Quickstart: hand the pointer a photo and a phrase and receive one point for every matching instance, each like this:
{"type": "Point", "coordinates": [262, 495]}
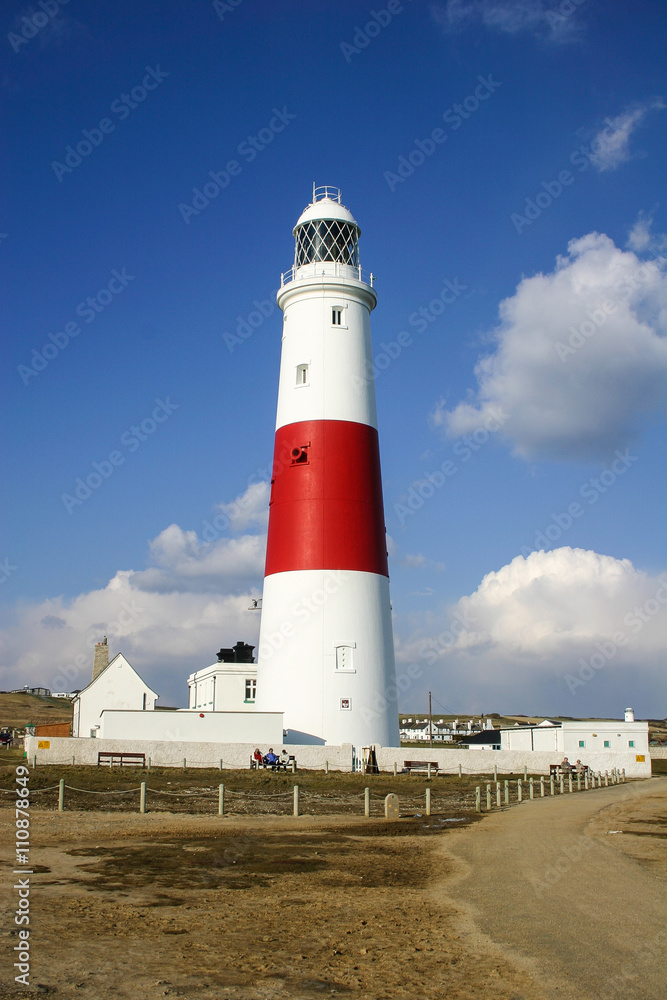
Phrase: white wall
{"type": "Point", "coordinates": [193, 726]}
{"type": "Point", "coordinates": [61, 750]}
{"type": "Point", "coordinates": [221, 687]}
{"type": "Point", "coordinates": [594, 734]}
{"type": "Point", "coordinates": [119, 686]}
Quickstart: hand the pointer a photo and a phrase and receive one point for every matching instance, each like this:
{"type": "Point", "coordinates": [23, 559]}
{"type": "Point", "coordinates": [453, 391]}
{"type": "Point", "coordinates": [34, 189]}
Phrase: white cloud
{"type": "Point", "coordinates": [580, 358]}
{"type": "Point", "coordinates": [509, 17]}
{"type": "Point", "coordinates": [168, 619]}
{"type": "Point", "coordinates": [642, 239]}
{"type": "Point", "coordinates": [250, 509]}
{"type": "Point", "coordinates": [567, 631]}
{"type": "Point", "coordinates": [611, 146]}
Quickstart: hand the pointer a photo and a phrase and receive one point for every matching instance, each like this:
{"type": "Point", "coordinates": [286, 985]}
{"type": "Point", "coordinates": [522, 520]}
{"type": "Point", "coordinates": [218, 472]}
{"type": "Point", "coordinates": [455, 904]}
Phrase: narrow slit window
{"type": "Point", "coordinates": [336, 317]}
{"type": "Point", "coordinates": [302, 374]}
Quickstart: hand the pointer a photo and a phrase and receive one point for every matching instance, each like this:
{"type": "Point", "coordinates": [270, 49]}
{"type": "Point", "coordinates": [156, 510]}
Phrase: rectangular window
{"type": "Point", "coordinates": [607, 744]}
{"type": "Point", "coordinates": [631, 743]}
{"type": "Point", "coordinates": [250, 689]}
{"type": "Point", "coordinates": [344, 659]}
{"type": "Point", "coordinates": [336, 317]}
{"type": "Point", "coordinates": [144, 704]}
{"type": "Point", "coordinates": [582, 743]}
{"type": "Point", "coordinates": [302, 374]}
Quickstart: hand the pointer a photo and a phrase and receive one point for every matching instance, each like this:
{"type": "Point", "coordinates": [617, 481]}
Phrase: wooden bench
{"type": "Point", "coordinates": [120, 757]}
{"type": "Point", "coordinates": [420, 765]}
{"type": "Point", "coordinates": [278, 766]}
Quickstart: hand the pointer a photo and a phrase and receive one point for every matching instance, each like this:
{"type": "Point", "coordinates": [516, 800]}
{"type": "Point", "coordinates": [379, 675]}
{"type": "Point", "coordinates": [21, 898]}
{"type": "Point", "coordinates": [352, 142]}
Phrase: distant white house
{"type": "Point", "coordinates": [116, 686]}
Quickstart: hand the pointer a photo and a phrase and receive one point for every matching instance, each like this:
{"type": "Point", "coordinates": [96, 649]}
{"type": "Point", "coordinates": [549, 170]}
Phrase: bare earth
{"type": "Point", "coordinates": [538, 901]}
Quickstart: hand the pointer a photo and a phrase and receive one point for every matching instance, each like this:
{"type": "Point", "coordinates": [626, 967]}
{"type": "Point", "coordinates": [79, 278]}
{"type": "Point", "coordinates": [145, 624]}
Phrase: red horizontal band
{"type": "Point", "coordinates": [326, 499]}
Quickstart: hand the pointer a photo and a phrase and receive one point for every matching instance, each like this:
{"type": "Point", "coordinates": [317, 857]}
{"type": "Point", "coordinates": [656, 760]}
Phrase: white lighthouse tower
{"type": "Point", "coordinates": [326, 651]}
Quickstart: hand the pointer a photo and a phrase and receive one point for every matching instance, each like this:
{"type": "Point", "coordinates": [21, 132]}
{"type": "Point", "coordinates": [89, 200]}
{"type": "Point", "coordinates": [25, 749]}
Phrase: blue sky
{"type": "Point", "coordinates": [505, 161]}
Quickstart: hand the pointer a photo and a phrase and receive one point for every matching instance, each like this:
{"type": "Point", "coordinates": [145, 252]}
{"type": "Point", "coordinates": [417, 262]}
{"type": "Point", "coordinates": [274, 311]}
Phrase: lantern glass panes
{"type": "Point", "coordinates": [327, 239]}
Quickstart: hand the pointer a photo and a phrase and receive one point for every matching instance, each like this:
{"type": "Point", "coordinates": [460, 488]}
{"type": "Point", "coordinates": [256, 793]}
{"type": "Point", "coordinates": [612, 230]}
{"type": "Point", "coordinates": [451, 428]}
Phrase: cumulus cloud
{"type": "Point", "coordinates": [568, 631]}
{"type": "Point", "coordinates": [611, 146]}
{"type": "Point", "coordinates": [250, 509]}
{"type": "Point", "coordinates": [168, 619]}
{"type": "Point", "coordinates": [580, 357]}
{"type": "Point", "coordinates": [509, 17]}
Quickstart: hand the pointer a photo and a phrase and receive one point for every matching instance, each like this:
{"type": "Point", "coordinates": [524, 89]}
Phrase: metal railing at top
{"type": "Point", "coordinates": [330, 268]}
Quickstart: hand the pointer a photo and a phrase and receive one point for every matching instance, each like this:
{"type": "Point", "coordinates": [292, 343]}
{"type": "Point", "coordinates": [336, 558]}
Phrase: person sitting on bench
{"type": "Point", "coordinates": [257, 758]}
{"type": "Point", "coordinates": [271, 758]}
{"type": "Point", "coordinates": [284, 758]}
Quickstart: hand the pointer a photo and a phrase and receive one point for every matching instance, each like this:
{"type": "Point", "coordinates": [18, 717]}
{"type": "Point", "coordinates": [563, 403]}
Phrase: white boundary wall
{"type": "Point", "coordinates": [237, 755]}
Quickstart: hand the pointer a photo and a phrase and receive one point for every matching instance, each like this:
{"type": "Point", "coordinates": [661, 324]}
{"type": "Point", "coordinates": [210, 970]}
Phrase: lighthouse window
{"type": "Point", "coordinates": [302, 374]}
{"type": "Point", "coordinates": [250, 689]}
{"type": "Point", "coordinates": [344, 659]}
{"type": "Point", "coordinates": [336, 317]}
{"type": "Point", "coordinates": [327, 239]}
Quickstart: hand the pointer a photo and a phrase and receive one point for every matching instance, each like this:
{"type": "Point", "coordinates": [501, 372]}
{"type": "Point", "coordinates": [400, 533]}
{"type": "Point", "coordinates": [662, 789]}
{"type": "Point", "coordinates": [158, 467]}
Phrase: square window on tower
{"type": "Point", "coordinates": [302, 374]}
{"type": "Point", "coordinates": [336, 316]}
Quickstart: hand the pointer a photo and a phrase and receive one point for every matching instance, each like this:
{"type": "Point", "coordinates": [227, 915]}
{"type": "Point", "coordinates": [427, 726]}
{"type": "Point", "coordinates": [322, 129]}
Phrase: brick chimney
{"type": "Point", "coordinates": [101, 657]}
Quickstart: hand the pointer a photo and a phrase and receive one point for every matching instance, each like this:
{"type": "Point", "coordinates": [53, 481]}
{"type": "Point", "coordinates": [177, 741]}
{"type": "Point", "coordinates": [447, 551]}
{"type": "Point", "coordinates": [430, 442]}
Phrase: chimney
{"type": "Point", "coordinates": [101, 657]}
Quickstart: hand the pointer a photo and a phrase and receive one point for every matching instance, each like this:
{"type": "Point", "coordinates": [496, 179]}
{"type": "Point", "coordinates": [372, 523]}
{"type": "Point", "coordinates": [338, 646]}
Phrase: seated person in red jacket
{"type": "Point", "coordinates": [257, 757]}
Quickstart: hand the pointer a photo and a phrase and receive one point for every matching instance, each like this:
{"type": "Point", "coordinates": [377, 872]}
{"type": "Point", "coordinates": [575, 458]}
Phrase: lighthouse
{"type": "Point", "coordinates": [326, 651]}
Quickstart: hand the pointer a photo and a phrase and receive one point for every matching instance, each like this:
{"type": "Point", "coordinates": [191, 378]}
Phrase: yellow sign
{"type": "Point", "coordinates": [43, 744]}
{"type": "Point", "coordinates": [640, 758]}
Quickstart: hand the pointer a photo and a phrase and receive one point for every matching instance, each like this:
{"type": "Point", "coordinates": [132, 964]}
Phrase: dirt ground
{"type": "Point", "coordinates": [144, 906]}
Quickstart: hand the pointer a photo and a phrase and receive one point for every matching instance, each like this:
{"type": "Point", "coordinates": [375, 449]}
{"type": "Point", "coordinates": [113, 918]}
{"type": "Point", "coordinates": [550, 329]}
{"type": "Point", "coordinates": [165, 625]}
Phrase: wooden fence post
{"type": "Point", "coordinates": [552, 789]}
{"type": "Point", "coordinates": [395, 768]}
{"type": "Point", "coordinates": [326, 767]}
{"type": "Point", "coordinates": [367, 802]}
{"type": "Point", "coordinates": [562, 783]}
{"type": "Point", "coordinates": [478, 799]}
{"type": "Point", "coordinates": [542, 787]}
{"type": "Point", "coordinates": [531, 786]}
{"type": "Point", "coordinates": [296, 800]}
{"type": "Point", "coordinates": [61, 795]}
{"type": "Point", "coordinates": [498, 794]}
{"type": "Point", "coordinates": [428, 771]}
{"type": "Point", "coordinates": [488, 798]}
{"type": "Point", "coordinates": [525, 773]}
{"type": "Point", "coordinates": [142, 797]}
{"type": "Point", "coordinates": [221, 800]}
{"type": "Point", "coordinates": [184, 763]}
{"type": "Point", "coordinates": [460, 770]}
{"type": "Point", "coordinates": [519, 791]}
{"type": "Point", "coordinates": [428, 801]}
{"type": "Point", "coordinates": [569, 782]}
{"type": "Point", "coordinates": [507, 792]}
{"type": "Point", "coordinates": [495, 772]}
{"type": "Point", "coordinates": [578, 781]}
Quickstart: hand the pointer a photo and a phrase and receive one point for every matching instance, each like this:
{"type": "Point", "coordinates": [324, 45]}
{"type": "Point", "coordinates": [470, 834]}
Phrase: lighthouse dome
{"type": "Point", "coordinates": [326, 230]}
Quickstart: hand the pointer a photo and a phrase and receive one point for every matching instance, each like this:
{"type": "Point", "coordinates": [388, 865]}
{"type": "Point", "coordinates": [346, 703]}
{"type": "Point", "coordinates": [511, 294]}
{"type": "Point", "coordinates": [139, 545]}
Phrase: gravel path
{"type": "Point", "coordinates": [581, 908]}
